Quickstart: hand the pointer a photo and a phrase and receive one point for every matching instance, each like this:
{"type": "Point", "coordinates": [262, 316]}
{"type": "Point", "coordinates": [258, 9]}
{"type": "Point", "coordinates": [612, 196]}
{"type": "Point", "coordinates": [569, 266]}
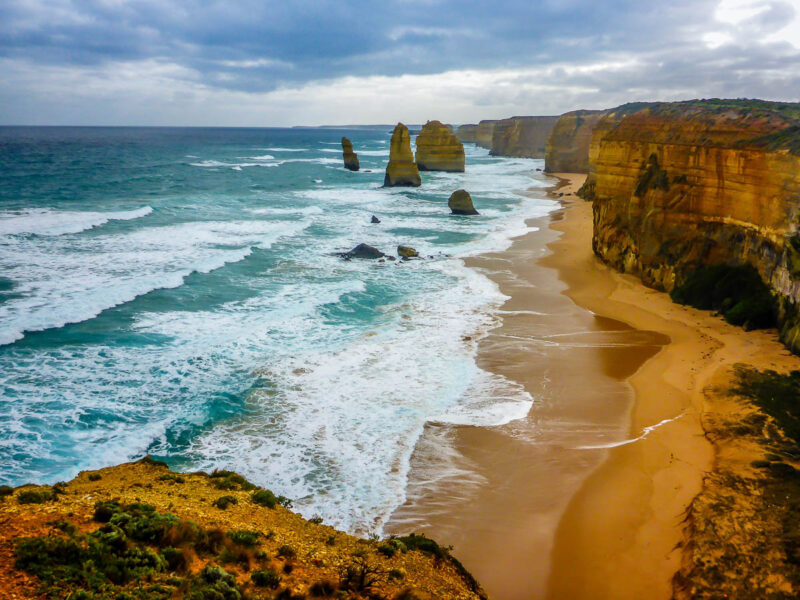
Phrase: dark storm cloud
{"type": "Point", "coordinates": [258, 45]}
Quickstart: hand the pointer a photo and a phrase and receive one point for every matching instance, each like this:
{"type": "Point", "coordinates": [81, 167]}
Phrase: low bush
{"type": "Point", "coordinates": [286, 551]}
{"type": "Point", "coordinates": [270, 500]}
{"type": "Point", "coordinates": [223, 502]}
{"type": "Point", "coordinates": [36, 496]}
{"type": "Point", "coordinates": [265, 578]}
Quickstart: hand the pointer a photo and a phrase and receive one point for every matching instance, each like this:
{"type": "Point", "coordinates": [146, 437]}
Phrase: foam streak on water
{"type": "Point", "coordinates": [169, 299]}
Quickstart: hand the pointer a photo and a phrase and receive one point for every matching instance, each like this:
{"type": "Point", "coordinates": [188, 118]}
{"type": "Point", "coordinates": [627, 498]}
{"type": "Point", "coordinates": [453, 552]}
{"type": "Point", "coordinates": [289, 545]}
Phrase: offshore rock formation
{"type": "Point", "coordinates": [467, 133]}
{"type": "Point", "coordinates": [522, 136]}
{"type": "Point", "coordinates": [364, 251]}
{"type": "Point", "coordinates": [401, 170]}
{"type": "Point", "coordinates": [407, 252]}
{"type": "Point", "coordinates": [460, 203]}
{"type": "Point", "coordinates": [677, 186]}
{"type": "Point", "coordinates": [233, 539]}
{"type": "Point", "coordinates": [438, 149]}
{"type": "Point", "coordinates": [350, 157]}
{"type": "Point", "coordinates": [567, 148]}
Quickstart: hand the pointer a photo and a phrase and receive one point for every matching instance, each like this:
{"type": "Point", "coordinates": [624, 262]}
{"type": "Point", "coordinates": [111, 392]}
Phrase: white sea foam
{"type": "Point", "coordinates": [56, 285]}
{"type": "Point", "coordinates": [46, 221]}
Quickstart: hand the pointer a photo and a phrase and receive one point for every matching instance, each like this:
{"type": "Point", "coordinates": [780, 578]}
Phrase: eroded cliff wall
{"type": "Point", "coordinates": [567, 149]}
{"type": "Point", "coordinates": [467, 133]}
{"type": "Point", "coordinates": [522, 136]}
{"type": "Point", "coordinates": [680, 185]}
{"type": "Point", "coordinates": [484, 133]}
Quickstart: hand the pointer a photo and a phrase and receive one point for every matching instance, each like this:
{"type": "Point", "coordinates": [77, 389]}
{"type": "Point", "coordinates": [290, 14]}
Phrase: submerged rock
{"type": "Point", "coordinates": [374, 219]}
{"type": "Point", "coordinates": [401, 170]}
{"type": "Point", "coordinates": [460, 203]}
{"type": "Point", "coordinates": [363, 251]}
{"type": "Point", "coordinates": [438, 149]}
{"type": "Point", "coordinates": [407, 252]}
{"type": "Point", "coordinates": [350, 157]}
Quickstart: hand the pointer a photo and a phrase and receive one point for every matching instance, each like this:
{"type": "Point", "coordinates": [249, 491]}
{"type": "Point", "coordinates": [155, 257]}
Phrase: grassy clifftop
{"type": "Point", "coordinates": [140, 531]}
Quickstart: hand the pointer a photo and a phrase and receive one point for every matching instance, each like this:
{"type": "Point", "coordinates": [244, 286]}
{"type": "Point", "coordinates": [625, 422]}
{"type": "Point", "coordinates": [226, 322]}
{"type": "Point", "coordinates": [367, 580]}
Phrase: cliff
{"type": "Point", "coordinates": [567, 148]}
{"type": "Point", "coordinates": [484, 133]}
{"type": "Point", "coordinates": [680, 186]}
{"type": "Point", "coordinates": [438, 149]}
{"type": "Point", "coordinates": [467, 133]}
{"type": "Point", "coordinates": [401, 170]}
{"type": "Point", "coordinates": [522, 136]}
{"type": "Point", "coordinates": [350, 157]}
{"type": "Point", "coordinates": [140, 530]}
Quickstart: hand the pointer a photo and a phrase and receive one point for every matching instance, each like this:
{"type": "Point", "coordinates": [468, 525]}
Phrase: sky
{"type": "Point", "coordinates": [313, 62]}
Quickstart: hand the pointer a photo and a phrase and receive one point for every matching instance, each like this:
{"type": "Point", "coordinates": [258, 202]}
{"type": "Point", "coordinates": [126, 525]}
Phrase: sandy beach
{"type": "Point", "coordinates": [585, 497]}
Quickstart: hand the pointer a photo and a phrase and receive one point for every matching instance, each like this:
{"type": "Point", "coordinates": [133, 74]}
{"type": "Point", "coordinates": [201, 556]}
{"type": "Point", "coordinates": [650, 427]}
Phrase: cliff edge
{"type": "Point", "coordinates": [567, 148]}
{"type": "Point", "coordinates": [139, 530]}
{"type": "Point", "coordinates": [681, 186]}
{"type": "Point", "coordinates": [524, 137]}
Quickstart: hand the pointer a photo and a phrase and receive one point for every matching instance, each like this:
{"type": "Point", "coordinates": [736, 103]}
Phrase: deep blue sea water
{"type": "Point", "coordinates": [174, 292]}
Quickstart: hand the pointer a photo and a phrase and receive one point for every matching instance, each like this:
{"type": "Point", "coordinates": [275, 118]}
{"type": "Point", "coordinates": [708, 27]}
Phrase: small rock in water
{"type": "Point", "coordinates": [460, 203]}
{"type": "Point", "coordinates": [363, 251]}
{"type": "Point", "coordinates": [407, 252]}
{"type": "Point", "coordinates": [375, 219]}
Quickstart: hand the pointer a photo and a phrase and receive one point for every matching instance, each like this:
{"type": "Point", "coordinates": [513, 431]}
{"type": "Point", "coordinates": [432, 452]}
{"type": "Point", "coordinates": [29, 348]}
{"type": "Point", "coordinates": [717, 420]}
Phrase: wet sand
{"type": "Point", "coordinates": [498, 494]}
{"type": "Point", "coordinates": [584, 498]}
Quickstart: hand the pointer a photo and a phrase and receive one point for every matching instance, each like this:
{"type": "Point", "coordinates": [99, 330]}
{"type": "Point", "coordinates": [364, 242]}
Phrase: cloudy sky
{"type": "Point", "coordinates": [287, 62]}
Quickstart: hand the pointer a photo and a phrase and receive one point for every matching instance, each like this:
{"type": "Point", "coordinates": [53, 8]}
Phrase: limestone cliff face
{"type": "Point", "coordinates": [680, 185]}
{"type": "Point", "coordinates": [350, 157]}
{"type": "Point", "coordinates": [484, 133]}
{"type": "Point", "coordinates": [401, 170]}
{"type": "Point", "coordinates": [438, 149]}
{"type": "Point", "coordinates": [467, 133]}
{"type": "Point", "coordinates": [567, 149]}
{"type": "Point", "coordinates": [522, 136]}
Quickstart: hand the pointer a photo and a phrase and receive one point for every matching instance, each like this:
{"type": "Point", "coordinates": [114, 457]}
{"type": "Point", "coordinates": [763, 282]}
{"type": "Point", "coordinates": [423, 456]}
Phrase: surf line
{"type": "Point", "coordinates": [645, 432]}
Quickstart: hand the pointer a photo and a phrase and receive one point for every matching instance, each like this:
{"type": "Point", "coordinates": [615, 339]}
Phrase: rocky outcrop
{"type": "Point", "coordinates": [467, 133]}
{"type": "Point", "coordinates": [438, 149]}
{"type": "Point", "coordinates": [677, 186]}
{"type": "Point", "coordinates": [484, 133]}
{"type": "Point", "coordinates": [401, 170]}
{"type": "Point", "coordinates": [363, 251]}
{"type": "Point", "coordinates": [350, 157]}
{"type": "Point", "coordinates": [522, 136]}
{"type": "Point", "coordinates": [374, 220]}
{"type": "Point", "coordinates": [567, 149]}
{"type": "Point", "coordinates": [460, 203]}
{"type": "Point", "coordinates": [407, 252]}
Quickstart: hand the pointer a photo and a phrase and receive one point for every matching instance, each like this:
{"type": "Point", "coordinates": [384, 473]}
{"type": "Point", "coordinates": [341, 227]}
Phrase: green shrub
{"type": "Point", "coordinates": [172, 477]}
{"type": "Point", "coordinates": [244, 537]}
{"type": "Point", "coordinates": [36, 496]}
{"type": "Point", "coordinates": [270, 500]}
{"type": "Point", "coordinates": [228, 480]}
{"type": "Point", "coordinates": [223, 502]}
{"type": "Point", "coordinates": [6, 490]}
{"type": "Point", "coordinates": [95, 477]}
{"type": "Point", "coordinates": [737, 292]}
{"type": "Point", "coordinates": [286, 551]}
{"type": "Point", "coordinates": [265, 578]}
{"type": "Point", "coordinates": [105, 509]}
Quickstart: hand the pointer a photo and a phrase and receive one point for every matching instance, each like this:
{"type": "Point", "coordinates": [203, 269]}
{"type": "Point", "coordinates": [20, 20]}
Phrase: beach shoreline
{"type": "Point", "coordinates": [584, 498]}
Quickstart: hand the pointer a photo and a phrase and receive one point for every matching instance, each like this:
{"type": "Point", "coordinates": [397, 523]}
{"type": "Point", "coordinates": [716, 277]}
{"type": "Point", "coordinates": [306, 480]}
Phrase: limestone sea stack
{"type": "Point", "coordinates": [350, 157]}
{"type": "Point", "coordinates": [401, 170]}
{"type": "Point", "coordinates": [438, 149]}
{"type": "Point", "coordinates": [460, 203]}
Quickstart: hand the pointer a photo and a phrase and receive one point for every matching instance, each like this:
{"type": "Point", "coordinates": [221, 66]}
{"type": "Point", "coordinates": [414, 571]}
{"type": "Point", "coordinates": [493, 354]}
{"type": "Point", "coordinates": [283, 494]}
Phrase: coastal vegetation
{"type": "Point", "coordinates": [135, 533]}
{"type": "Point", "coordinates": [743, 539]}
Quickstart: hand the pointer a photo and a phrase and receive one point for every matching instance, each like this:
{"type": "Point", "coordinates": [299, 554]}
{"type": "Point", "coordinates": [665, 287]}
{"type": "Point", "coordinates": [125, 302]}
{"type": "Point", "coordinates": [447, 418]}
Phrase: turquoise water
{"type": "Point", "coordinates": [174, 292]}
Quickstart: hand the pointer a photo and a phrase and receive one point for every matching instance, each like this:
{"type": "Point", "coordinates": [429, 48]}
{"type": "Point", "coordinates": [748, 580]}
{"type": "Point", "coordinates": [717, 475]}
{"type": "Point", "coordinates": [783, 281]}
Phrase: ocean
{"type": "Point", "coordinates": [176, 292]}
